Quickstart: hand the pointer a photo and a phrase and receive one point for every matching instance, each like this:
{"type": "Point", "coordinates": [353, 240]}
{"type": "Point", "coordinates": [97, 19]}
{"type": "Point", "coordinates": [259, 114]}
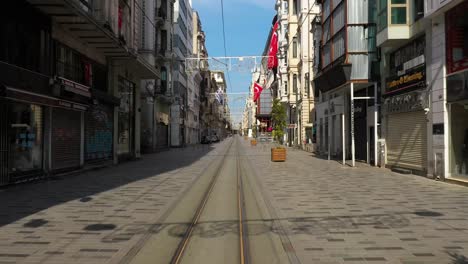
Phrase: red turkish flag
{"type": "Point", "coordinates": [272, 58]}
{"type": "Point", "coordinates": [257, 91]}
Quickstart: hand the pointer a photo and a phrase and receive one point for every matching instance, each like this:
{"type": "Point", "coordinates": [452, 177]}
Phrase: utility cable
{"type": "Point", "coordinates": [224, 42]}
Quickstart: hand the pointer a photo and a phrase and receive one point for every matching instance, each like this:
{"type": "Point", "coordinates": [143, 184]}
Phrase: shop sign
{"type": "Point", "coordinates": [74, 87]}
{"type": "Point", "coordinates": [408, 102]}
{"type": "Point", "coordinates": [71, 105]}
{"type": "Point", "coordinates": [292, 126]}
{"type": "Point", "coordinates": [414, 78]}
{"type": "Point", "coordinates": [407, 67]}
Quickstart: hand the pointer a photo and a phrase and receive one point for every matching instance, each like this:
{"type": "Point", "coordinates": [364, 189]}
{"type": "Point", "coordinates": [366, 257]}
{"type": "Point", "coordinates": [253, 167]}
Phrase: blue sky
{"type": "Point", "coordinates": [247, 24]}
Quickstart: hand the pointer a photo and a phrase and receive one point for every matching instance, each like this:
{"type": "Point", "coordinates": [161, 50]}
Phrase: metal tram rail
{"type": "Point", "coordinates": [242, 225]}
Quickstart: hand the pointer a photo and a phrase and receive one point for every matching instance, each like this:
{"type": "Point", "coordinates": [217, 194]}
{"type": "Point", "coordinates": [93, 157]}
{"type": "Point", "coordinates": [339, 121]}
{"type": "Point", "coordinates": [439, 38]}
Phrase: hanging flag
{"type": "Point", "coordinates": [273, 51]}
{"type": "Point", "coordinates": [257, 91]}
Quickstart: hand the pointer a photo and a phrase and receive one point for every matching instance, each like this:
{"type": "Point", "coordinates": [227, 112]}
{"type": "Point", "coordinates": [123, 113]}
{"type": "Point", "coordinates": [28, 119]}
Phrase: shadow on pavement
{"type": "Point", "coordinates": [19, 201]}
{"type": "Point", "coordinates": [457, 258]}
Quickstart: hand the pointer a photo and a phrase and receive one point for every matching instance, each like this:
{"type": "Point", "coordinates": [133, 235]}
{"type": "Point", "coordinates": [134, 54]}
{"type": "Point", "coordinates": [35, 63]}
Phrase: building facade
{"type": "Point", "coordinates": [446, 71]}
{"type": "Point", "coordinates": [180, 79]}
{"type": "Point", "coordinates": [346, 112]}
{"type": "Point", "coordinates": [156, 94]}
{"type": "Point", "coordinates": [70, 93]}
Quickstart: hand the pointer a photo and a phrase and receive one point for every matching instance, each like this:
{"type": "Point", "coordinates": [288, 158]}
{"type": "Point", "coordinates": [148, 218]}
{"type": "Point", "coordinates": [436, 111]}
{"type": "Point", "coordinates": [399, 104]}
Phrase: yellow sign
{"type": "Point", "coordinates": [417, 76]}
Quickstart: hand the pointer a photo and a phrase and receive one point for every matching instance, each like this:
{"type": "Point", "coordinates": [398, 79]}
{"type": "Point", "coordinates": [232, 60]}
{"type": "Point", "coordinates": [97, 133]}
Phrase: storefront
{"type": "Point", "coordinates": [405, 99]}
{"type": "Point", "coordinates": [162, 126]}
{"type": "Point", "coordinates": [457, 89]}
{"type": "Point", "coordinates": [99, 129]}
{"type": "Point", "coordinates": [65, 139]}
{"type": "Point", "coordinates": [25, 135]}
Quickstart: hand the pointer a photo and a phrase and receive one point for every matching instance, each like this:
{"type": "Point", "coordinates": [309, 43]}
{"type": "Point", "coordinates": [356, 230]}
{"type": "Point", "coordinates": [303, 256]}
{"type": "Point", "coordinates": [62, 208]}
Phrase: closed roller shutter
{"type": "Point", "coordinates": [162, 136]}
{"type": "Point", "coordinates": [99, 133]}
{"type": "Point", "coordinates": [407, 140]}
{"type": "Point", "coordinates": [3, 143]}
{"type": "Point", "coordinates": [66, 139]}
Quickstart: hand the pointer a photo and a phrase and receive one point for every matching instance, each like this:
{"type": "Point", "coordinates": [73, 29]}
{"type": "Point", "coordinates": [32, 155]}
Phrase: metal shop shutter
{"type": "Point", "coordinates": [3, 142]}
{"type": "Point", "coordinates": [66, 139]}
{"type": "Point", "coordinates": [99, 128]}
{"type": "Point", "coordinates": [407, 140]}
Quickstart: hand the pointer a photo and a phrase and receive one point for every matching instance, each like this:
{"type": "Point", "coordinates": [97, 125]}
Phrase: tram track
{"type": "Point", "coordinates": [222, 218]}
{"type": "Point", "coordinates": [244, 255]}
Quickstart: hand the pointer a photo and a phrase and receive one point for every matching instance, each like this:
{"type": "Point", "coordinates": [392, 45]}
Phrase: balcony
{"type": "Point", "coordinates": [89, 22]}
{"type": "Point", "coordinates": [20, 78]}
{"type": "Point", "coordinates": [395, 19]}
{"type": "Point", "coordinates": [161, 15]}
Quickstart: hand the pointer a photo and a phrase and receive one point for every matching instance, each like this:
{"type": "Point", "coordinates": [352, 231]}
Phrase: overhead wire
{"type": "Point", "coordinates": [224, 42]}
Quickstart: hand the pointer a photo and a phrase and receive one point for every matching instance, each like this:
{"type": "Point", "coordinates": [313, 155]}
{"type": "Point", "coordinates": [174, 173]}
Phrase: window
{"type": "Point", "coordinates": [285, 87]}
{"type": "Point", "coordinates": [295, 7]}
{"type": "Point", "coordinates": [418, 9]}
{"type": "Point", "coordinates": [295, 83]}
{"type": "Point", "coordinates": [163, 80]}
{"type": "Point", "coordinates": [398, 12]}
{"type": "Point", "coordinates": [382, 18]}
{"type": "Point", "coordinates": [457, 38]}
{"type": "Point", "coordinates": [295, 47]}
{"type": "Point", "coordinates": [307, 84]}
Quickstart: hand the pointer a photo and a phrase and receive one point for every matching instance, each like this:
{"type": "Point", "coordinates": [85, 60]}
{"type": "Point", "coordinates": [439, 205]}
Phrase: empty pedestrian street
{"type": "Point", "coordinates": [305, 210]}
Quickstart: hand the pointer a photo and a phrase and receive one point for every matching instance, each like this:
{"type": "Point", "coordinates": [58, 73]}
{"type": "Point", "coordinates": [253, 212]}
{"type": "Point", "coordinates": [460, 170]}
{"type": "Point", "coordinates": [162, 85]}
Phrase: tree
{"type": "Point", "coordinates": [278, 117]}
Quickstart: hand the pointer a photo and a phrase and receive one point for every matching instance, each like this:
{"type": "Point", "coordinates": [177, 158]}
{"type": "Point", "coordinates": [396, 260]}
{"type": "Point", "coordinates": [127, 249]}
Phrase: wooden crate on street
{"type": "Point", "coordinates": [278, 154]}
{"type": "Point", "coordinates": [253, 142]}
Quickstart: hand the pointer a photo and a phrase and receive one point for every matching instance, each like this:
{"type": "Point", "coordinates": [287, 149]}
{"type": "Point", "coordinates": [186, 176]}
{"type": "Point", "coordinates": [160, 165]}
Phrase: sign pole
{"type": "Point", "coordinates": [376, 125]}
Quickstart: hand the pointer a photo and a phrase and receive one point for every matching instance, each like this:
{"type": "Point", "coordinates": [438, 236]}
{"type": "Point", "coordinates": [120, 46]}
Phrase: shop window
{"type": "Point", "coordinates": [457, 38]}
{"type": "Point", "coordinates": [458, 140]}
{"type": "Point", "coordinates": [25, 135]}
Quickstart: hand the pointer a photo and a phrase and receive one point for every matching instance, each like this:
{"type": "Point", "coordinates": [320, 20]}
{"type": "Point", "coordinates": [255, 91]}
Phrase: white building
{"type": "Point", "coordinates": [447, 78]}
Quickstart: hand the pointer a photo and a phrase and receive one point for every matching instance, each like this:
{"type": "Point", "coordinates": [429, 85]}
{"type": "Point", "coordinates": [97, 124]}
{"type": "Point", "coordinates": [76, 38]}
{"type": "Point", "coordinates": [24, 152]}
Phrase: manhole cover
{"type": "Point", "coordinates": [428, 213]}
{"type": "Point", "coordinates": [85, 199]}
{"type": "Point", "coordinates": [35, 223]}
{"type": "Point", "coordinates": [100, 227]}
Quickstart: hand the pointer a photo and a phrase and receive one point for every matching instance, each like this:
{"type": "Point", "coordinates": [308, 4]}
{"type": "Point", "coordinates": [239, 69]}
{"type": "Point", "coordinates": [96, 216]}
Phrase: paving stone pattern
{"type": "Point", "coordinates": [336, 214]}
{"type": "Point", "coordinates": [99, 216]}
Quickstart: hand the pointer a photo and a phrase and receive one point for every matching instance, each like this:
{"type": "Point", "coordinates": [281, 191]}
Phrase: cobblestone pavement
{"type": "Point", "coordinates": [96, 217]}
{"type": "Point", "coordinates": [324, 212]}
{"type": "Point", "coordinates": [336, 214]}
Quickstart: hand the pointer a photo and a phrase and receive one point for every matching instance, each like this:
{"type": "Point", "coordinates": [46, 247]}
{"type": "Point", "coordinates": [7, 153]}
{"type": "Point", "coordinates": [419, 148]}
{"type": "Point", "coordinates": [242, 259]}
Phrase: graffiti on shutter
{"type": "Point", "coordinates": [98, 133]}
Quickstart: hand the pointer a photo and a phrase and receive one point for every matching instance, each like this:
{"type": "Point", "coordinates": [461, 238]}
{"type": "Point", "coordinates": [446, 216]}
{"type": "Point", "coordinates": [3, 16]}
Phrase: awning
{"type": "Point", "coordinates": [39, 99]}
{"type": "Point", "coordinates": [334, 77]}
